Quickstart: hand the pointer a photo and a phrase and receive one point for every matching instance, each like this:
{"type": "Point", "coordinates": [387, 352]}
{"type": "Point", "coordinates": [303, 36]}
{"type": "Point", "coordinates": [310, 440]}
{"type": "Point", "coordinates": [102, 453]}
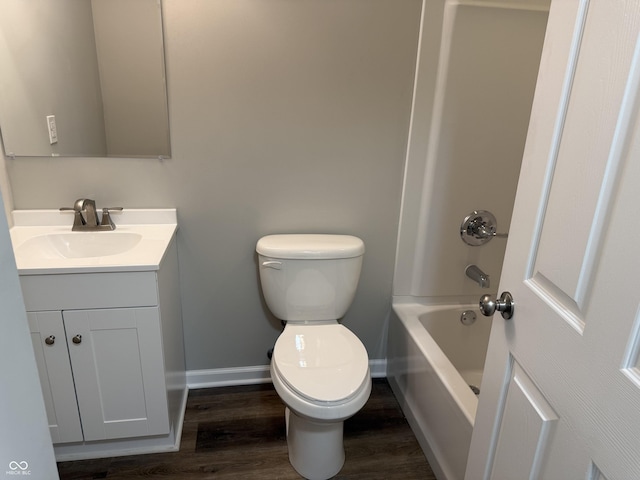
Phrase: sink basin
{"type": "Point", "coordinates": [44, 244]}
{"type": "Point", "coordinates": [79, 244]}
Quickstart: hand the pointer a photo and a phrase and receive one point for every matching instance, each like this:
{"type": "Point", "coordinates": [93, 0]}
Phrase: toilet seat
{"type": "Point", "coordinates": [323, 364]}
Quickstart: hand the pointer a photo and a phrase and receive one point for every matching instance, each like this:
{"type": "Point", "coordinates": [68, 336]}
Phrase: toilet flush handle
{"type": "Point", "coordinates": [272, 264]}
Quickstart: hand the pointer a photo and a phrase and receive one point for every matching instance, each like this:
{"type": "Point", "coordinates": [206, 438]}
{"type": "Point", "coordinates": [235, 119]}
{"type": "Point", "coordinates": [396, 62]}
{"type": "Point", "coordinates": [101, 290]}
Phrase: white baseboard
{"type": "Point", "coordinates": [378, 368]}
{"type": "Point", "coordinates": [224, 377]}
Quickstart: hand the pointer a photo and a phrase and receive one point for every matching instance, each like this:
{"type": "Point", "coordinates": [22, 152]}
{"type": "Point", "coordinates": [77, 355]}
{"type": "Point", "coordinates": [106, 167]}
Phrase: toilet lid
{"type": "Point", "coordinates": [326, 363]}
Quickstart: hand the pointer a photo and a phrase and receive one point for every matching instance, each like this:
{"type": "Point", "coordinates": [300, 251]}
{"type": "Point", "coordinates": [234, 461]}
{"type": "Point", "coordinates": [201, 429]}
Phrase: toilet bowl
{"type": "Point", "coordinates": [319, 368]}
{"type": "Point", "coordinates": [322, 385]}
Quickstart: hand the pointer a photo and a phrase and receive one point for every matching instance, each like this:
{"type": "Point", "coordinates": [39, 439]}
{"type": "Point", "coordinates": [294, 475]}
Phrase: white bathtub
{"type": "Point", "coordinates": [432, 360]}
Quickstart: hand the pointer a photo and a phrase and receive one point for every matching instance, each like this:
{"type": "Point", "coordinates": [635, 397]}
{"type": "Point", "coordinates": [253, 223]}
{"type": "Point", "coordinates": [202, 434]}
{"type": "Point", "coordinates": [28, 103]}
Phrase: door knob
{"type": "Point", "coordinates": [504, 304]}
{"type": "Point", "coordinates": [50, 340]}
{"type": "Point", "coordinates": [77, 339]}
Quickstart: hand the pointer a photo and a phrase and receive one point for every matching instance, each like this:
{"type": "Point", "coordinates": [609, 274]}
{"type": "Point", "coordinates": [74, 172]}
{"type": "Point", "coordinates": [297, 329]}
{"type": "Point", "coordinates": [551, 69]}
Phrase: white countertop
{"type": "Point", "coordinates": [156, 227]}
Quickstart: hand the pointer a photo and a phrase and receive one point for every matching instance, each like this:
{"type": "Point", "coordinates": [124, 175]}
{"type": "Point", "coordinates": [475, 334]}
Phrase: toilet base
{"type": "Point", "coordinates": [316, 450]}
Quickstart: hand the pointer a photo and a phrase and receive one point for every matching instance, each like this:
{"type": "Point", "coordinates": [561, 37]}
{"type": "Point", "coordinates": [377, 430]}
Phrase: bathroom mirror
{"type": "Point", "coordinates": [83, 78]}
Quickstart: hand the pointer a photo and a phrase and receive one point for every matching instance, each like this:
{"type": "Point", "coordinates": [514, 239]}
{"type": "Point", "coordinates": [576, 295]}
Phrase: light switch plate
{"type": "Point", "coordinates": [53, 131]}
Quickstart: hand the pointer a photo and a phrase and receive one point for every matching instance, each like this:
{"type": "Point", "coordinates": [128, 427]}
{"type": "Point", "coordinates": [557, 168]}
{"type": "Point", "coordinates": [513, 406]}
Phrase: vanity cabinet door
{"type": "Point", "coordinates": [54, 369]}
{"type": "Point", "coordinates": [118, 367]}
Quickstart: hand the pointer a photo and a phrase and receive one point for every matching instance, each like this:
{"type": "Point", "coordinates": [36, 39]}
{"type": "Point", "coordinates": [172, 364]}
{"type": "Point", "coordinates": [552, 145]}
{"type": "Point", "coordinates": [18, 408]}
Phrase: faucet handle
{"type": "Point", "coordinates": [106, 216]}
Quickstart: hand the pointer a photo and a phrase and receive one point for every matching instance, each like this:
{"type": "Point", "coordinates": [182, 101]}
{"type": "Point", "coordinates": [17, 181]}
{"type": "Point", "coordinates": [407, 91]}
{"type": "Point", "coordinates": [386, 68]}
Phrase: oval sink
{"type": "Point", "coordinates": [79, 244]}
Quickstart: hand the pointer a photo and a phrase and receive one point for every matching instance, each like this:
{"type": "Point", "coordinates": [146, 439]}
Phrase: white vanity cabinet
{"type": "Point", "coordinates": [110, 355]}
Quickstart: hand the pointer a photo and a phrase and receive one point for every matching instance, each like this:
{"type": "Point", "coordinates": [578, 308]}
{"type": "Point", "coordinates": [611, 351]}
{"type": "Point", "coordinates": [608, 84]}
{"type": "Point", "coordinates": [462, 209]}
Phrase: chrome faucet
{"type": "Point", "coordinates": [477, 275]}
{"type": "Point", "coordinates": [87, 209]}
{"type": "Point", "coordinates": [86, 217]}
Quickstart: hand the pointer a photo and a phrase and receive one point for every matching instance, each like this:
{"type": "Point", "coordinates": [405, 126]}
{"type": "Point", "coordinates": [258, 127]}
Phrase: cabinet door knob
{"type": "Point", "coordinates": [50, 340]}
{"type": "Point", "coordinates": [77, 339]}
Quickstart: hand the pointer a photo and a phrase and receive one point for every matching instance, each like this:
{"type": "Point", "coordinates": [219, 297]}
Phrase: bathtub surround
{"type": "Point", "coordinates": [285, 117]}
{"type": "Point", "coordinates": [476, 73]}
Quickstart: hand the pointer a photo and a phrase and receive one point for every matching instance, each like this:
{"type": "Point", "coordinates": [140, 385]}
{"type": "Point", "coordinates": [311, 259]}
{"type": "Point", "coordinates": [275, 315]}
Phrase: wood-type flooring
{"type": "Point", "coordinates": [239, 433]}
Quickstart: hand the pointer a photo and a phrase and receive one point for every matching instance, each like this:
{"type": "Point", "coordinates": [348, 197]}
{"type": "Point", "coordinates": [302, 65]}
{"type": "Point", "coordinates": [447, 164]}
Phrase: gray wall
{"type": "Point", "coordinates": [286, 116]}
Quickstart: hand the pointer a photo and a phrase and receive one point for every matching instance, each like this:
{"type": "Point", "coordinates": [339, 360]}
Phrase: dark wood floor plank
{"type": "Point", "coordinates": [238, 432]}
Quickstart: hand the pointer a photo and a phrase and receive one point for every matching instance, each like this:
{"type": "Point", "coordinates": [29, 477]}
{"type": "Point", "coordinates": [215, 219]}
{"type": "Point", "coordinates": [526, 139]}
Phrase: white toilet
{"type": "Point", "coordinates": [319, 368]}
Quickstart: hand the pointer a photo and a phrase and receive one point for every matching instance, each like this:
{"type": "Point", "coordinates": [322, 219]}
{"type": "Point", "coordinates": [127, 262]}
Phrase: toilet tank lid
{"type": "Point", "coordinates": [310, 246]}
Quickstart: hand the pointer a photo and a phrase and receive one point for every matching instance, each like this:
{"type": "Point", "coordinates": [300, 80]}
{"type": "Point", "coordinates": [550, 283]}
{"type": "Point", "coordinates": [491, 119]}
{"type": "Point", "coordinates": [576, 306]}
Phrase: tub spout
{"type": "Point", "coordinates": [478, 276]}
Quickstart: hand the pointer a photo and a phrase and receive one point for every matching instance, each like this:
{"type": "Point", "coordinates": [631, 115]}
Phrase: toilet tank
{"type": "Point", "coordinates": [309, 277]}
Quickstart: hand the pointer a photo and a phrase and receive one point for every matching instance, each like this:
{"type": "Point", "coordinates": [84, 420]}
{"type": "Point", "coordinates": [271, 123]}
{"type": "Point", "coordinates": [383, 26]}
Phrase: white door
{"type": "Point", "coordinates": [25, 443]}
{"type": "Point", "coordinates": [561, 394]}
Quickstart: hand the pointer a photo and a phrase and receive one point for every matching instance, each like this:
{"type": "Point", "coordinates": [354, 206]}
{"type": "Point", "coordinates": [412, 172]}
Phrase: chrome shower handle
{"type": "Point", "coordinates": [479, 227]}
